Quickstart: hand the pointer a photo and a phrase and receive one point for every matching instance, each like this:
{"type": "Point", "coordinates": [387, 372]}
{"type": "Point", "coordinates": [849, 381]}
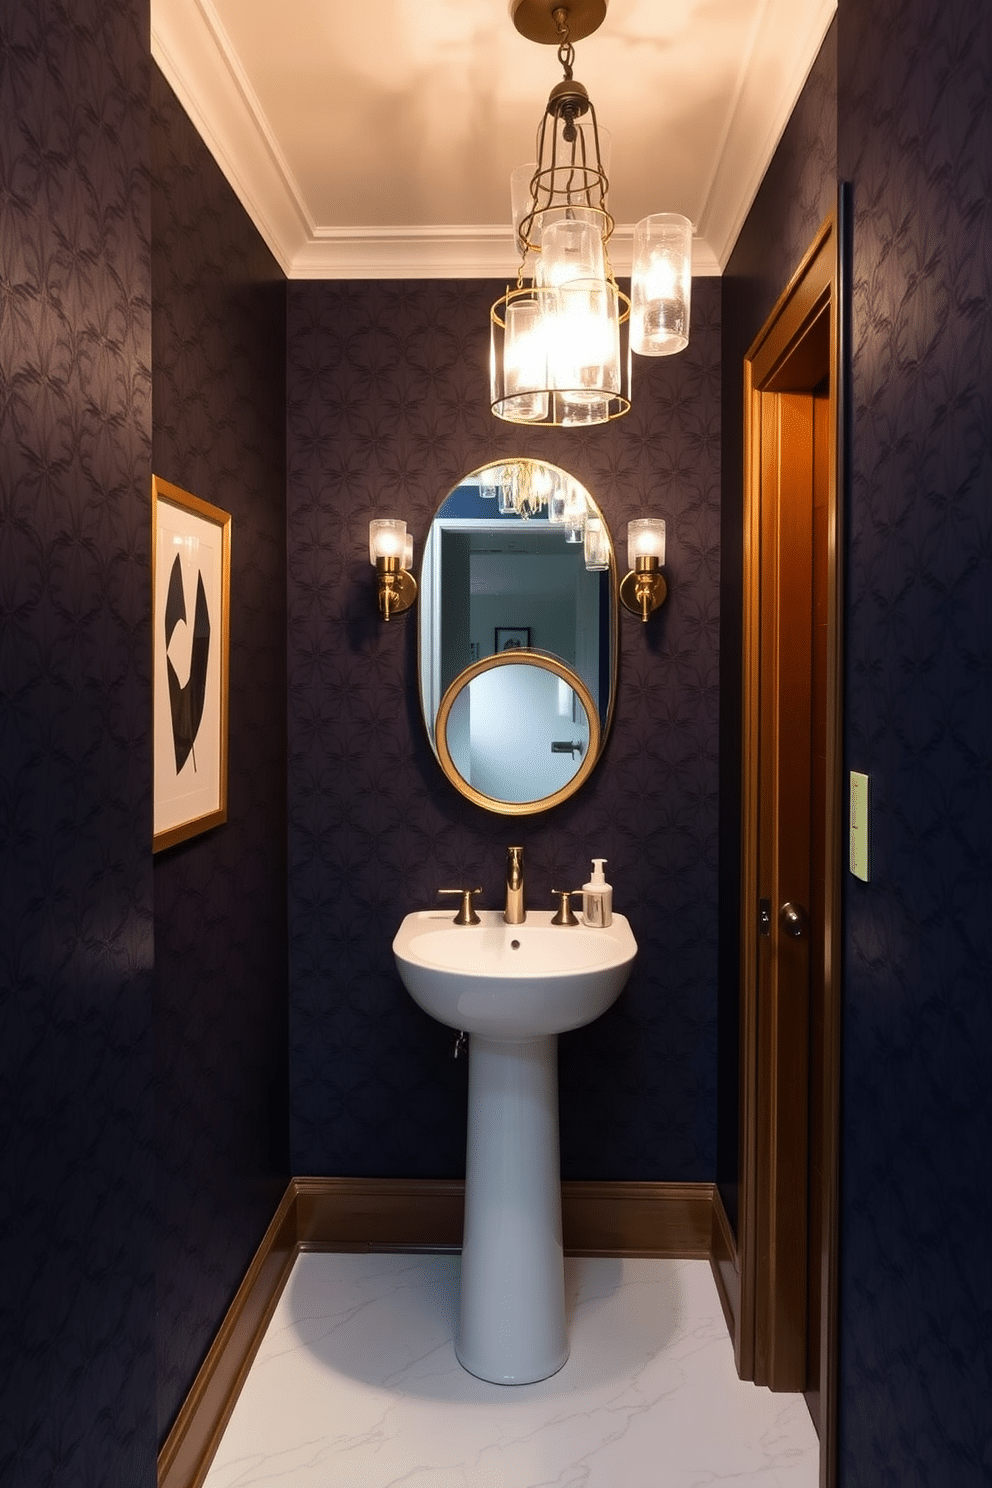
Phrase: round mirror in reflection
{"type": "Point", "coordinates": [517, 732]}
{"type": "Point", "coordinates": [519, 560]}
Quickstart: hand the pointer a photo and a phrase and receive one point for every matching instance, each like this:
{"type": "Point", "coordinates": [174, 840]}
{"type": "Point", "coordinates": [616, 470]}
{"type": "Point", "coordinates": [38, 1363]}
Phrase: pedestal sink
{"type": "Point", "coordinates": [513, 988]}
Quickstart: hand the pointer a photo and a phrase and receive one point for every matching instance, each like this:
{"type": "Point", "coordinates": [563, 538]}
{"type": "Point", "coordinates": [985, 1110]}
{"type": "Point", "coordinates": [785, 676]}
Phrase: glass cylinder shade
{"type": "Point", "coordinates": [507, 493]}
{"type": "Point", "coordinates": [572, 250]}
{"type": "Point", "coordinates": [661, 283]}
{"type": "Point", "coordinates": [579, 335]}
{"type": "Point", "coordinates": [387, 538]}
{"type": "Point", "coordinates": [645, 539]}
{"type": "Point", "coordinates": [597, 544]}
{"type": "Point", "coordinates": [584, 338]}
{"type": "Point", "coordinates": [574, 510]}
{"type": "Point", "coordinates": [520, 367]}
{"type": "Point", "coordinates": [489, 484]}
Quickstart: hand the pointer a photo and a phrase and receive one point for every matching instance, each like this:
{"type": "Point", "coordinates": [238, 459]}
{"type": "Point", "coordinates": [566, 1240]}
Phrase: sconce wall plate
{"type": "Point", "coordinates": [644, 590]}
{"type": "Point", "coordinates": [397, 587]}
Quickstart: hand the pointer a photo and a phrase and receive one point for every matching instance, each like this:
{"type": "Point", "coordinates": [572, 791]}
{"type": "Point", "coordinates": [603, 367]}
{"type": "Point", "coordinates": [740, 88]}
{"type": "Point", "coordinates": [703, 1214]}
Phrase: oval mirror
{"type": "Point", "coordinates": [518, 564]}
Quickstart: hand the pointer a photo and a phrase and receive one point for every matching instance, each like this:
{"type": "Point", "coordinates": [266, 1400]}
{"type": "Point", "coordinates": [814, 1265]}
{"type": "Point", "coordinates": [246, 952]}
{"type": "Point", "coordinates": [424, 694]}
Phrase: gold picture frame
{"type": "Point", "coordinates": [191, 584]}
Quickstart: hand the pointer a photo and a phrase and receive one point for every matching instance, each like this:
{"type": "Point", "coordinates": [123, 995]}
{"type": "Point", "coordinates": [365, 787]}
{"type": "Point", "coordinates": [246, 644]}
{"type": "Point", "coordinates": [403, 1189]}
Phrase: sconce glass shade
{"type": "Point", "coordinates": [645, 539]}
{"type": "Point", "coordinates": [387, 538]}
{"type": "Point", "coordinates": [597, 544]}
{"type": "Point", "coordinates": [408, 552]}
{"type": "Point", "coordinates": [661, 282]}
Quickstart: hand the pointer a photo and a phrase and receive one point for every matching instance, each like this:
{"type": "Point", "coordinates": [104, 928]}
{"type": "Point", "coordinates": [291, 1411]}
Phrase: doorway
{"type": "Point", "coordinates": [785, 1334]}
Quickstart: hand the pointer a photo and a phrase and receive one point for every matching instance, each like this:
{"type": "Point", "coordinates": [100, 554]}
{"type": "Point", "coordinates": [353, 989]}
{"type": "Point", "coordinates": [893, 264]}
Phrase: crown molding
{"type": "Point", "coordinates": [195, 55]}
{"type": "Point", "coordinates": [783, 48]}
{"type": "Point", "coordinates": [443, 253]}
{"type": "Point", "coordinates": [190, 45]}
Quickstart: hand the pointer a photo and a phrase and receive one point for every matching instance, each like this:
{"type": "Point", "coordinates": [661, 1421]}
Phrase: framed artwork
{"type": "Point", "coordinates": [191, 581]}
{"type": "Point", "coordinates": [512, 637]}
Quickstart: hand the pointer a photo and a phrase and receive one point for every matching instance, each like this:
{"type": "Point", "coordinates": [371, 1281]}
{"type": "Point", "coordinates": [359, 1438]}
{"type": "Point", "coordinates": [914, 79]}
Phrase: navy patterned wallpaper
{"type": "Point", "coordinates": [915, 138]}
{"type": "Point", "coordinates": [798, 191]}
{"type": "Point", "coordinates": [388, 408]}
{"type": "Point", "coordinates": [219, 411]}
{"type": "Point", "coordinates": [76, 1169]}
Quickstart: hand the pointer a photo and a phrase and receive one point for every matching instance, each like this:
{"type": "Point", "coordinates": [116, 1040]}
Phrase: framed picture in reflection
{"type": "Point", "coordinates": [512, 637]}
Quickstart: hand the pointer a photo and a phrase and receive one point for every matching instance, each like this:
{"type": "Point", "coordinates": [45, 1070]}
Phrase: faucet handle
{"type": "Point", "coordinates": [564, 915]}
{"type": "Point", "coordinates": [466, 914]}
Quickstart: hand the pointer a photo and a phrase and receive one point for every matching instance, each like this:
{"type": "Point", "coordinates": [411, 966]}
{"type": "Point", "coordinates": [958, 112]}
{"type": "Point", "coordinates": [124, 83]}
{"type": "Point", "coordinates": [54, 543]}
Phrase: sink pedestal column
{"type": "Point", "coordinates": [512, 1322]}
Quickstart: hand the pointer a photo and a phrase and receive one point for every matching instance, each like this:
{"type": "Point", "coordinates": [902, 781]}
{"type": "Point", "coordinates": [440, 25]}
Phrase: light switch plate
{"type": "Point", "coordinates": [859, 825]}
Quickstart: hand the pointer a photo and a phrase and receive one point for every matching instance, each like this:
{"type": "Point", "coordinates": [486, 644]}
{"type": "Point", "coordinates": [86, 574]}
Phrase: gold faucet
{"type": "Point", "coordinates": [514, 913]}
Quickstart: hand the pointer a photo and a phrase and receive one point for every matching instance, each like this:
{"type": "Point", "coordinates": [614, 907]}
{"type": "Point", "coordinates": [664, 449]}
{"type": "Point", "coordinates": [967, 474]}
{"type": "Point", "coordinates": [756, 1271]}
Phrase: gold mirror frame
{"type": "Point", "coordinates": [545, 663]}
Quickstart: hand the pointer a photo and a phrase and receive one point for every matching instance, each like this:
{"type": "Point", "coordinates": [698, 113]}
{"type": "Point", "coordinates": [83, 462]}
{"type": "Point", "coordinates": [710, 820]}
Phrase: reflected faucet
{"type": "Point", "coordinates": [514, 913]}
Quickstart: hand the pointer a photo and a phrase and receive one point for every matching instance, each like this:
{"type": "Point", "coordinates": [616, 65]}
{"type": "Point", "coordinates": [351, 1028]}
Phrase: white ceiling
{"type": "Point", "coordinates": [375, 139]}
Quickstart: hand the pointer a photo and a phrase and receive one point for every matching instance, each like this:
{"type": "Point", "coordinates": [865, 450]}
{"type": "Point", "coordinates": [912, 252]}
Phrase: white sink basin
{"type": "Point", "coordinates": [512, 981]}
{"type": "Point", "coordinates": [514, 988]}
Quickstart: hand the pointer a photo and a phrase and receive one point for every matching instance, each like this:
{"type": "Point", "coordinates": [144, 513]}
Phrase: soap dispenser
{"type": "Point", "coordinates": [597, 897]}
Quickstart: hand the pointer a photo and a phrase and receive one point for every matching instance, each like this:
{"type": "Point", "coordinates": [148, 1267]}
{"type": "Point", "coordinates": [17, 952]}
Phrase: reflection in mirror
{"type": "Point", "coordinates": [506, 565]}
{"type": "Point", "coordinates": [517, 732]}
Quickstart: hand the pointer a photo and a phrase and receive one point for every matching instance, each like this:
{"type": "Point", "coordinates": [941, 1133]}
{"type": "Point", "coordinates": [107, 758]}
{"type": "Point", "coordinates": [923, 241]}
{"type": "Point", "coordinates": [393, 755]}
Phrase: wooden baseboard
{"type": "Point", "coordinates": [190, 1445]}
{"type": "Point", "coordinates": [637, 1219]}
{"type": "Point", "coordinates": [725, 1265]}
{"type": "Point", "coordinates": [417, 1213]}
{"type": "Point", "coordinates": [618, 1219]}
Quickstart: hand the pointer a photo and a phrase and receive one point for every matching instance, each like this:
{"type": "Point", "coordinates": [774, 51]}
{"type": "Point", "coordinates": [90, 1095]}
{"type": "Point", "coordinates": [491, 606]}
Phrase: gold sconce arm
{"type": "Point", "coordinates": [644, 589]}
{"type": "Point", "coordinates": [397, 587]}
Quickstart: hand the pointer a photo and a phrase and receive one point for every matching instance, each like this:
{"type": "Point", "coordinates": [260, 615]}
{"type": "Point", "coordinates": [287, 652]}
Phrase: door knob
{"type": "Point", "coordinates": [794, 920]}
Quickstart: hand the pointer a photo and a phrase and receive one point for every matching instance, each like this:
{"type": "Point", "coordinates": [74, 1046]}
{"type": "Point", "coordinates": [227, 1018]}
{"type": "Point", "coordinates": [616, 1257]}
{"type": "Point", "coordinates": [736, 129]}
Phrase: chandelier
{"type": "Point", "coordinates": [561, 339]}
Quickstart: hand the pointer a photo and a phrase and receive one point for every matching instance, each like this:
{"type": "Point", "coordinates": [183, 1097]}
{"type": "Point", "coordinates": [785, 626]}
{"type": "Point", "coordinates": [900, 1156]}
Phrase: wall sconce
{"type": "Point", "coordinates": [644, 589]}
{"type": "Point", "coordinates": [391, 555]}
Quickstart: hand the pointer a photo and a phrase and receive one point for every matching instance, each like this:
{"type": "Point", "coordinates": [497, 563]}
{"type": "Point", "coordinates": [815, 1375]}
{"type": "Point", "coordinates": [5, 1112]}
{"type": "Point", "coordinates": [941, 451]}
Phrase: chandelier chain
{"type": "Point", "coordinates": [566, 51]}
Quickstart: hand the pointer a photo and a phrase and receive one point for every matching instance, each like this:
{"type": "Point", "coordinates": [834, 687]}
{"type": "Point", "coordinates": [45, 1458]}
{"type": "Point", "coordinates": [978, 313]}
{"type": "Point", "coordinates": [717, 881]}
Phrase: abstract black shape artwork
{"type": "Point", "coordinates": [186, 699]}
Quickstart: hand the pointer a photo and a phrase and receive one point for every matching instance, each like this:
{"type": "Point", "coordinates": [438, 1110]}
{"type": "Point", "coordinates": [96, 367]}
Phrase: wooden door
{"type": "Point", "coordinates": [786, 1260]}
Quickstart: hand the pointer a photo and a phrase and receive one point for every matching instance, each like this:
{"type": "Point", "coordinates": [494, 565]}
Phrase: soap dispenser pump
{"type": "Point", "coordinates": [597, 897]}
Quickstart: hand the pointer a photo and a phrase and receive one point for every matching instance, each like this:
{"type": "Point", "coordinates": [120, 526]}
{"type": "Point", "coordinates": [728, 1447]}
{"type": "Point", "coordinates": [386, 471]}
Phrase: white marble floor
{"type": "Point", "coordinates": [356, 1385]}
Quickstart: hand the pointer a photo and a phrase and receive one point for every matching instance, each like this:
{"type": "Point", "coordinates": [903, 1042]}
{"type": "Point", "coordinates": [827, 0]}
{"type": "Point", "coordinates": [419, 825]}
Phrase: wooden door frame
{"type": "Point", "coordinates": [818, 289]}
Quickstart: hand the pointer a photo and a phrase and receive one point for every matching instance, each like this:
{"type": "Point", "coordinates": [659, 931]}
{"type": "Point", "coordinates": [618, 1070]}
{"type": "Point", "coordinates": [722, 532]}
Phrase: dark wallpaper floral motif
{"type": "Point", "coordinates": [916, 141]}
{"type": "Point", "coordinates": [218, 396]}
{"type": "Point", "coordinates": [76, 1286]}
{"type": "Point", "coordinates": [374, 827]}
{"type": "Point", "coordinates": [387, 410]}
